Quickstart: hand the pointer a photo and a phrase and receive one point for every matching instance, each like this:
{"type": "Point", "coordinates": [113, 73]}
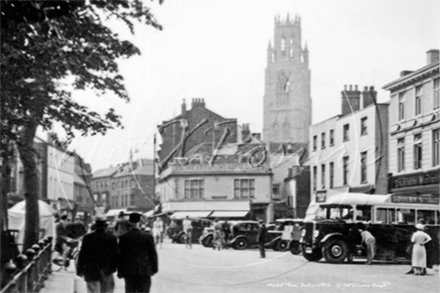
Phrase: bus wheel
{"type": "Point", "coordinates": [315, 255]}
{"type": "Point", "coordinates": [295, 248]}
{"type": "Point", "coordinates": [335, 250]}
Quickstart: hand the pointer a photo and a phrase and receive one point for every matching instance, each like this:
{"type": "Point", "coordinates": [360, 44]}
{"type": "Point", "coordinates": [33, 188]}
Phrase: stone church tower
{"type": "Point", "coordinates": [287, 102]}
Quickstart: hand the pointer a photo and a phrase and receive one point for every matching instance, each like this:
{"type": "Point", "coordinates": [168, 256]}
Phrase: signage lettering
{"type": "Point", "coordinates": [415, 199]}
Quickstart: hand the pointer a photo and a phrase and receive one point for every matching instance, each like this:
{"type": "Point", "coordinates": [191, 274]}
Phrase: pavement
{"type": "Point", "coordinates": [202, 269]}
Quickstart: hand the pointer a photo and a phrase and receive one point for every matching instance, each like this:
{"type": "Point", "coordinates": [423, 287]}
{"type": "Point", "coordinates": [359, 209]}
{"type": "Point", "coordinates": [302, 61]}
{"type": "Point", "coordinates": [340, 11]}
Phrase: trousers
{"type": "Point", "coordinates": [106, 285]}
{"type": "Point", "coordinates": [137, 284]}
{"type": "Point", "coordinates": [262, 251]}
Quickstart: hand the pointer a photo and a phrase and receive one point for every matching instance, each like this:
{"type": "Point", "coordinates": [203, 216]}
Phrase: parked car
{"type": "Point", "coordinates": [244, 235]}
{"type": "Point", "coordinates": [286, 235]}
{"type": "Point", "coordinates": [208, 233]}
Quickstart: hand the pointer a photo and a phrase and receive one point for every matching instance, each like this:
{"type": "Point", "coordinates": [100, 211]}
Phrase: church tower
{"type": "Point", "coordinates": [287, 102]}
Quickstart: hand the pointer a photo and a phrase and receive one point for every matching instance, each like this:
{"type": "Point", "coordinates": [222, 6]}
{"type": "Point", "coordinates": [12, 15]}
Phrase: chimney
{"type": "Point", "coordinates": [350, 100]}
{"type": "Point", "coordinates": [198, 102]}
{"type": "Point", "coordinates": [369, 96]}
{"type": "Point", "coordinates": [183, 107]}
{"type": "Point", "coordinates": [432, 56]}
{"type": "Point", "coordinates": [245, 131]}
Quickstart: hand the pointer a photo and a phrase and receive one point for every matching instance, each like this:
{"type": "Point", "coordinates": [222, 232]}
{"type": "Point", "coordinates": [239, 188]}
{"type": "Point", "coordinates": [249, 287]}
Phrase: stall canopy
{"type": "Point", "coordinates": [191, 214]}
{"type": "Point", "coordinates": [228, 214]}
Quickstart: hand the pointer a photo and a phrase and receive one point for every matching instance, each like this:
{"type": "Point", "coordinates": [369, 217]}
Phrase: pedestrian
{"type": "Point", "coordinates": [172, 231]}
{"type": "Point", "coordinates": [98, 259]}
{"type": "Point", "coordinates": [189, 238]}
{"type": "Point", "coordinates": [226, 231]}
{"type": "Point", "coordinates": [369, 241]}
{"type": "Point", "coordinates": [61, 238]}
{"type": "Point", "coordinates": [138, 261]}
{"type": "Point", "coordinates": [261, 237]}
{"type": "Point", "coordinates": [121, 226]}
{"type": "Point", "coordinates": [353, 239]}
{"type": "Point", "coordinates": [186, 224]}
{"type": "Point", "coordinates": [217, 241]}
{"type": "Point", "coordinates": [418, 257]}
{"type": "Point", "coordinates": [158, 231]}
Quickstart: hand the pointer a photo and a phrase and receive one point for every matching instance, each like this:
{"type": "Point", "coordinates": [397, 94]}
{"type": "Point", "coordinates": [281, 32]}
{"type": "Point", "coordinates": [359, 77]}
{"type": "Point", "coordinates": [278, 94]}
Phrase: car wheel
{"type": "Point", "coordinates": [207, 242]}
{"type": "Point", "coordinates": [335, 250]}
{"type": "Point", "coordinates": [282, 245]}
{"type": "Point", "coordinates": [295, 248]}
{"type": "Point", "coordinates": [315, 255]}
{"type": "Point", "coordinates": [182, 238]}
{"type": "Point", "coordinates": [241, 243]}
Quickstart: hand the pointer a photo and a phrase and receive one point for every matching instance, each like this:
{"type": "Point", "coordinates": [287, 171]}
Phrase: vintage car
{"type": "Point", "coordinates": [389, 220]}
{"type": "Point", "coordinates": [286, 235]}
{"type": "Point", "coordinates": [198, 226]}
{"type": "Point", "coordinates": [244, 235]}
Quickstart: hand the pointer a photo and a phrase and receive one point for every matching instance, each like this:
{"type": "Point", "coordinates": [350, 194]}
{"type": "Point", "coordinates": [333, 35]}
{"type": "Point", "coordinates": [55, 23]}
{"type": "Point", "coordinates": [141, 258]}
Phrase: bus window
{"type": "Point", "coordinates": [363, 213]}
{"type": "Point", "coordinates": [427, 215]}
{"type": "Point", "coordinates": [385, 216]}
{"type": "Point", "coordinates": [406, 216]}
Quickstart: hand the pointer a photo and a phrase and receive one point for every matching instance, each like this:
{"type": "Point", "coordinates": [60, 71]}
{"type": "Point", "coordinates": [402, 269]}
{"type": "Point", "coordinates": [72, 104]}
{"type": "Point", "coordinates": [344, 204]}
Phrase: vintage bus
{"type": "Point", "coordinates": [390, 218]}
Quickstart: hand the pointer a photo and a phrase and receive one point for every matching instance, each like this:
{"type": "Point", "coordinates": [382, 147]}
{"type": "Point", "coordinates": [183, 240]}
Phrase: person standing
{"type": "Point", "coordinates": [226, 231]}
{"type": "Point", "coordinates": [418, 258]}
{"type": "Point", "coordinates": [138, 261]}
{"type": "Point", "coordinates": [261, 237]}
{"type": "Point", "coordinates": [369, 241]}
{"type": "Point", "coordinates": [121, 226]}
{"type": "Point", "coordinates": [158, 231]}
{"type": "Point", "coordinates": [217, 240]}
{"type": "Point", "coordinates": [98, 258]}
{"type": "Point", "coordinates": [61, 238]}
{"type": "Point", "coordinates": [188, 243]}
{"type": "Point", "coordinates": [172, 231]}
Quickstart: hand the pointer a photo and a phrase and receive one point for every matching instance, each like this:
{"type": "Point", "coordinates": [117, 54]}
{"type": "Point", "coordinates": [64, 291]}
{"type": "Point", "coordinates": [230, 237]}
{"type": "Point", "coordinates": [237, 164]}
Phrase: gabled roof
{"type": "Point", "coordinates": [107, 172]}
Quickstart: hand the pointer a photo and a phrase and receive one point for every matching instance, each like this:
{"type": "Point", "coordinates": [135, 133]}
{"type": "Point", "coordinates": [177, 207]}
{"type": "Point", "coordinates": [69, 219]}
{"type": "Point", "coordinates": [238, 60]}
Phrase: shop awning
{"type": "Point", "coordinates": [191, 214]}
{"type": "Point", "coordinates": [228, 214]}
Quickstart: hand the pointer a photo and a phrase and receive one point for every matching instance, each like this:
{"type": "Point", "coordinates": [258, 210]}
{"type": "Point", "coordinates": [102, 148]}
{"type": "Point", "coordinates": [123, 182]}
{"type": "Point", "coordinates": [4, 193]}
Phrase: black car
{"type": "Point", "coordinates": [244, 235]}
{"type": "Point", "coordinates": [198, 226]}
{"type": "Point", "coordinates": [291, 230]}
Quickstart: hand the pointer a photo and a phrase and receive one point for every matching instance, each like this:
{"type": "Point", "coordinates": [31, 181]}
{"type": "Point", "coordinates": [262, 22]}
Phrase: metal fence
{"type": "Point", "coordinates": [29, 271]}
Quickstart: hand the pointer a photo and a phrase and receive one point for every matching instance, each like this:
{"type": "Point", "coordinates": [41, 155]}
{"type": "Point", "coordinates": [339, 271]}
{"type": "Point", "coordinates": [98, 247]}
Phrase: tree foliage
{"type": "Point", "coordinates": [44, 42]}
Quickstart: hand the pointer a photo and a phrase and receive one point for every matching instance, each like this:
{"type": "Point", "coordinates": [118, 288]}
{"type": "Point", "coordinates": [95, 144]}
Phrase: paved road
{"type": "Point", "coordinates": [205, 270]}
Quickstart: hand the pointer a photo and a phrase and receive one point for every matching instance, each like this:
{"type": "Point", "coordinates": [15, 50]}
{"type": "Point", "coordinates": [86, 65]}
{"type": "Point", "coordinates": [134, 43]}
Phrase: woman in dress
{"type": "Point", "coordinates": [419, 239]}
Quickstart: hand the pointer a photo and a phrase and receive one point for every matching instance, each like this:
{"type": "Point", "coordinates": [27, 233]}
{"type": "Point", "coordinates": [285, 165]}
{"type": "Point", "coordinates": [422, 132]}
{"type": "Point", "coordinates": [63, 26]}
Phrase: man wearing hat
{"type": "Point", "coordinates": [98, 258]}
{"type": "Point", "coordinates": [261, 237]}
{"type": "Point", "coordinates": [138, 261]}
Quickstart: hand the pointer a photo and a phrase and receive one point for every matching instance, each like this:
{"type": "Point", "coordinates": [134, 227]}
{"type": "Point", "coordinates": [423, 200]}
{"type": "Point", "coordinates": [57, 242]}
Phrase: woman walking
{"type": "Point", "coordinates": [419, 239]}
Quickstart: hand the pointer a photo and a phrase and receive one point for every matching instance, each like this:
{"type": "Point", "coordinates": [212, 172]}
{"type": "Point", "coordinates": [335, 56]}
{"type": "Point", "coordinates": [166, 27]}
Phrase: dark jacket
{"type": "Point", "coordinates": [138, 254]}
{"type": "Point", "coordinates": [261, 236]}
{"type": "Point", "coordinates": [98, 256]}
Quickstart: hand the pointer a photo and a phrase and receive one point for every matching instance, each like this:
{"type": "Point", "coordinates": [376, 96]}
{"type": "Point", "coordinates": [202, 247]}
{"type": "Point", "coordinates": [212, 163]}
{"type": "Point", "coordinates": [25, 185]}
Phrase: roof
{"type": "Point", "coordinates": [411, 75]}
{"type": "Point", "coordinates": [134, 169]}
{"type": "Point", "coordinates": [107, 172]}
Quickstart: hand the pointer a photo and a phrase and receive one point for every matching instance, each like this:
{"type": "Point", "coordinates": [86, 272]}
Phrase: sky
{"type": "Point", "coordinates": [216, 50]}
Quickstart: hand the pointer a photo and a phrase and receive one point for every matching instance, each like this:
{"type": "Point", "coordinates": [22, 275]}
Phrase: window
{"type": "Point", "coordinates": [276, 191]}
{"type": "Point", "coordinates": [427, 215]}
{"type": "Point", "coordinates": [346, 132]}
{"type": "Point", "coordinates": [194, 189]}
{"type": "Point", "coordinates": [436, 93]}
{"type": "Point", "coordinates": [315, 141]}
{"type": "Point", "coordinates": [364, 126]}
{"type": "Point", "coordinates": [418, 100]}
{"type": "Point", "coordinates": [291, 48]}
{"type": "Point", "coordinates": [402, 106]}
{"type": "Point", "coordinates": [436, 147]}
{"type": "Point", "coordinates": [314, 178]}
{"type": "Point", "coordinates": [385, 216]}
{"type": "Point", "coordinates": [417, 153]}
{"type": "Point", "coordinates": [363, 167]}
{"type": "Point", "coordinates": [132, 200]}
{"type": "Point", "coordinates": [332, 137]}
{"type": "Point", "coordinates": [406, 216]}
{"type": "Point", "coordinates": [323, 140]}
{"type": "Point", "coordinates": [400, 154]}
{"type": "Point", "coordinates": [283, 46]}
{"type": "Point", "coordinates": [244, 188]}
{"type": "Point", "coordinates": [345, 170]}
{"type": "Point", "coordinates": [332, 174]}
{"type": "Point", "coordinates": [323, 176]}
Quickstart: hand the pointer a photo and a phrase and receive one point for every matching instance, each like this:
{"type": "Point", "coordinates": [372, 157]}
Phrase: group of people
{"type": "Point", "coordinates": [221, 235]}
{"type": "Point", "coordinates": [132, 254]}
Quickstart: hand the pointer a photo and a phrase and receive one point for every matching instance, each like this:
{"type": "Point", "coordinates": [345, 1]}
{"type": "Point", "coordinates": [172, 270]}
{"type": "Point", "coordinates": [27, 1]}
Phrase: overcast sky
{"type": "Point", "coordinates": [216, 50]}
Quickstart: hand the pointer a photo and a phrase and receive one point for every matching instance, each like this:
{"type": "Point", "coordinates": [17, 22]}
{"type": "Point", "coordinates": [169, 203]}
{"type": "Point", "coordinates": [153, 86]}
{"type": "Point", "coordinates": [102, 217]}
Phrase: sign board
{"type": "Point", "coordinates": [415, 199]}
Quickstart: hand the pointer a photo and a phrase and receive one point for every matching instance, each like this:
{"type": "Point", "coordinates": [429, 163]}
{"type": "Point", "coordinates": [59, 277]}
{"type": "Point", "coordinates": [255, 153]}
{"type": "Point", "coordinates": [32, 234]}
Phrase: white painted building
{"type": "Point", "coordinates": [349, 152]}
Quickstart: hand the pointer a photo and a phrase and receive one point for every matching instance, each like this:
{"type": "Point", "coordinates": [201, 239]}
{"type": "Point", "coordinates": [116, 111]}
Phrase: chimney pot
{"type": "Point", "coordinates": [365, 88]}
{"type": "Point", "coordinates": [371, 88]}
{"type": "Point", "coordinates": [432, 56]}
{"type": "Point", "coordinates": [356, 87]}
{"type": "Point", "coordinates": [345, 87]}
{"type": "Point", "coordinates": [351, 87]}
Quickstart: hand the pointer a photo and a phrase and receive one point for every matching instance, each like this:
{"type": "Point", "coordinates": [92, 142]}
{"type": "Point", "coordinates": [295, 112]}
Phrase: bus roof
{"type": "Point", "coordinates": [356, 199]}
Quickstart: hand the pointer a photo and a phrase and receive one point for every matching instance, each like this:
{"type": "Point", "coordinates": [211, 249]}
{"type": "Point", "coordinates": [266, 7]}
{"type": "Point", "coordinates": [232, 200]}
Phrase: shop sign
{"type": "Point", "coordinates": [415, 199]}
{"type": "Point", "coordinates": [417, 179]}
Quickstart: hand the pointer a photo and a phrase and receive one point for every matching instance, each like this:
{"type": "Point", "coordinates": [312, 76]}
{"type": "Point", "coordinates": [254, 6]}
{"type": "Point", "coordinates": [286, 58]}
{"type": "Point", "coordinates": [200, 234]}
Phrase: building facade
{"type": "Point", "coordinates": [236, 183]}
{"type": "Point", "coordinates": [287, 103]}
{"type": "Point", "coordinates": [414, 137]}
{"type": "Point", "coordinates": [82, 189]}
{"type": "Point", "coordinates": [101, 188]}
{"type": "Point", "coordinates": [349, 152]}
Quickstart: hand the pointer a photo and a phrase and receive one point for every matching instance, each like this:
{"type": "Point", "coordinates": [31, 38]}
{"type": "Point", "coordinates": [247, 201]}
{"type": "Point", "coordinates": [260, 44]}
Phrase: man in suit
{"type": "Point", "coordinates": [261, 238]}
{"type": "Point", "coordinates": [98, 258]}
{"type": "Point", "coordinates": [138, 261]}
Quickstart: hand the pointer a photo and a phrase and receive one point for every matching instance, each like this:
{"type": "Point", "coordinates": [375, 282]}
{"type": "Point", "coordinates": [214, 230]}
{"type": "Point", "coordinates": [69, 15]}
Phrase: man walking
{"type": "Point", "coordinates": [261, 237]}
{"type": "Point", "coordinates": [138, 261]}
{"type": "Point", "coordinates": [98, 258]}
{"type": "Point", "coordinates": [158, 231]}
